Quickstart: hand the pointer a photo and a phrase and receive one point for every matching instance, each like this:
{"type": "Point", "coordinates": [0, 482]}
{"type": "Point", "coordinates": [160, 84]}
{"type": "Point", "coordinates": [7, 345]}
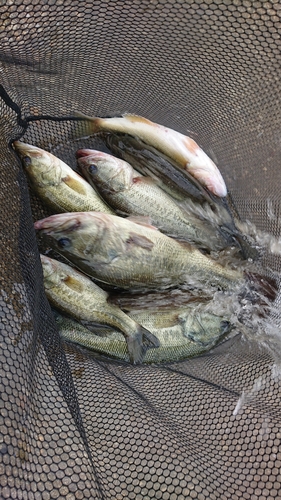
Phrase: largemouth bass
{"type": "Point", "coordinates": [190, 195]}
{"type": "Point", "coordinates": [56, 183]}
{"type": "Point", "coordinates": [76, 295]}
{"type": "Point", "coordinates": [129, 193]}
{"type": "Point", "coordinates": [181, 334]}
{"type": "Point", "coordinates": [182, 149]}
{"type": "Point", "coordinates": [120, 252]}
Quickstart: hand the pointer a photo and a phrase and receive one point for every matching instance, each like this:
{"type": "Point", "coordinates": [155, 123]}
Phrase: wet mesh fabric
{"type": "Point", "coordinates": [74, 426]}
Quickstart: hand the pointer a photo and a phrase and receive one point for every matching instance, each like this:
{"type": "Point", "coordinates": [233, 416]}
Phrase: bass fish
{"type": "Point", "coordinates": [181, 334]}
{"type": "Point", "coordinates": [188, 193]}
{"type": "Point", "coordinates": [76, 295]}
{"type": "Point", "coordinates": [122, 253]}
{"type": "Point", "coordinates": [129, 193]}
{"type": "Point", "coordinates": [182, 149]}
{"type": "Point", "coordinates": [56, 183]}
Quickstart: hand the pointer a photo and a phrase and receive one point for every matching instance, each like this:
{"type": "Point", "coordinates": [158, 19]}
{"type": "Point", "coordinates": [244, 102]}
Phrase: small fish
{"type": "Point", "coordinates": [182, 149]}
{"type": "Point", "coordinates": [181, 334]}
{"type": "Point", "coordinates": [76, 295]}
{"type": "Point", "coordinates": [130, 193]}
{"type": "Point", "coordinates": [56, 183]}
{"type": "Point", "coordinates": [122, 253]}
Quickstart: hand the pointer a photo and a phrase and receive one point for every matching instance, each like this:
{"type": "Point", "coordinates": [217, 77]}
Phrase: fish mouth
{"type": "Point", "coordinates": [25, 149]}
{"type": "Point", "coordinates": [59, 222]}
{"type": "Point", "coordinates": [45, 259]}
{"type": "Point", "coordinates": [81, 153]}
{"type": "Point", "coordinates": [49, 265]}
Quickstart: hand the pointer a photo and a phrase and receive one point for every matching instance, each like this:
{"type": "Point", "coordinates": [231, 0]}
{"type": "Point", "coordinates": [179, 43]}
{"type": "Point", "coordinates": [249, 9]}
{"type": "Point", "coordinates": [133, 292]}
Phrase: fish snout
{"type": "Point", "coordinates": [82, 153]}
{"type": "Point", "coordinates": [59, 222]}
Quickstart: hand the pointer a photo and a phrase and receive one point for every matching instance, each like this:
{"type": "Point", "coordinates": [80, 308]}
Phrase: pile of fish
{"type": "Point", "coordinates": [150, 222]}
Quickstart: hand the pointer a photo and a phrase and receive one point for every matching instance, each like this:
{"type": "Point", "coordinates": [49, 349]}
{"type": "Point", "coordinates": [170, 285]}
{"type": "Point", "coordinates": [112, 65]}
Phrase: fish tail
{"type": "Point", "coordinates": [264, 286]}
{"type": "Point", "coordinates": [89, 124]}
{"type": "Point", "coordinates": [139, 343]}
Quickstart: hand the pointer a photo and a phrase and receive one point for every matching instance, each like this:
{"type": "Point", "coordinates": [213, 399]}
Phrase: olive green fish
{"type": "Point", "coordinates": [181, 334]}
{"type": "Point", "coordinates": [76, 295]}
{"type": "Point", "coordinates": [183, 188]}
{"type": "Point", "coordinates": [120, 252]}
{"type": "Point", "coordinates": [56, 183]}
{"type": "Point", "coordinates": [182, 149]}
{"type": "Point", "coordinates": [129, 193]}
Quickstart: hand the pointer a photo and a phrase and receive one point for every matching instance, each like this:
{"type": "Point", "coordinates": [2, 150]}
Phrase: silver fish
{"type": "Point", "coordinates": [182, 149]}
{"type": "Point", "coordinates": [76, 295]}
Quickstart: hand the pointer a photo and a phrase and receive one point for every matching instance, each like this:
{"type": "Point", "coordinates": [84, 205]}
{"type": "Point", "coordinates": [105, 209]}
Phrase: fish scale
{"type": "Point", "coordinates": [189, 337]}
{"type": "Point", "coordinates": [179, 147]}
{"type": "Point", "coordinates": [77, 296]}
{"type": "Point", "coordinates": [56, 183]}
{"type": "Point", "coordinates": [128, 192]}
{"type": "Point", "coordinates": [122, 253]}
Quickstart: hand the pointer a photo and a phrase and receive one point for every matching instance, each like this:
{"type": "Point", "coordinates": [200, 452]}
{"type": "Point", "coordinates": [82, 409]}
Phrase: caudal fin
{"type": "Point", "coordinates": [139, 343]}
{"type": "Point", "coordinates": [88, 125]}
{"type": "Point", "coordinates": [263, 286]}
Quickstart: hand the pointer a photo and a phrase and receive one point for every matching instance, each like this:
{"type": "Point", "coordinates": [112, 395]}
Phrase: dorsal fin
{"type": "Point", "coordinates": [142, 220]}
{"type": "Point", "coordinates": [137, 119]}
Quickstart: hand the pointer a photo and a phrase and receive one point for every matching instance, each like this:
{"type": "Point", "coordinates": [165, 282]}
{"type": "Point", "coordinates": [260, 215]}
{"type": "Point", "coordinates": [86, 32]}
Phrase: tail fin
{"type": "Point", "coordinates": [265, 287]}
{"type": "Point", "coordinates": [139, 343]}
{"type": "Point", "coordinates": [88, 125]}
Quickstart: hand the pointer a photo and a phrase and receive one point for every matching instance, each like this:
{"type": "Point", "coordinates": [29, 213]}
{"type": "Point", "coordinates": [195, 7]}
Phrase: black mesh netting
{"type": "Point", "coordinates": [74, 426]}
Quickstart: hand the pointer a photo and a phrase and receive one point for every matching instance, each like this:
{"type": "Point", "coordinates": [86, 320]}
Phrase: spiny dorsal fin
{"type": "Point", "coordinates": [142, 220]}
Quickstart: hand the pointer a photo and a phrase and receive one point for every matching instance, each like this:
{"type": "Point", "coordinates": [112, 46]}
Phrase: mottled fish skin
{"type": "Point", "coordinates": [190, 195]}
{"type": "Point", "coordinates": [175, 145]}
{"type": "Point", "coordinates": [181, 334]}
{"type": "Point", "coordinates": [77, 296]}
{"type": "Point", "coordinates": [129, 193]}
{"type": "Point", "coordinates": [56, 183]}
{"type": "Point", "coordinates": [122, 253]}
{"type": "Point", "coordinates": [148, 161]}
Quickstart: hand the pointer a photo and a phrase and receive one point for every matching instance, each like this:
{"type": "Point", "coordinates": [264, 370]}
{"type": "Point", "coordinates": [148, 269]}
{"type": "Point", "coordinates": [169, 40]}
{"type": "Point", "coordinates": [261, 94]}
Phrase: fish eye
{"type": "Point", "coordinates": [93, 169]}
{"type": "Point", "coordinates": [27, 160]}
{"type": "Point", "coordinates": [64, 242]}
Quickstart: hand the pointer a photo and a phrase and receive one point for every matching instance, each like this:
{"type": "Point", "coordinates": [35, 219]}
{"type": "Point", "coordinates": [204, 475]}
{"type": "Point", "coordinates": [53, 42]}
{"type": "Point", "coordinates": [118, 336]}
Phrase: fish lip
{"type": "Point", "coordinates": [22, 148]}
{"type": "Point", "coordinates": [80, 153]}
{"type": "Point", "coordinates": [87, 153]}
{"type": "Point", "coordinates": [52, 223]}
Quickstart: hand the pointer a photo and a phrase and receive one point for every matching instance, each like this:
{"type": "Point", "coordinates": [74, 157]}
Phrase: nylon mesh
{"type": "Point", "coordinates": [74, 426]}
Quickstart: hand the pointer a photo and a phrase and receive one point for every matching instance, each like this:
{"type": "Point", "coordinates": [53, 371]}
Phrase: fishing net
{"type": "Point", "coordinates": [75, 426]}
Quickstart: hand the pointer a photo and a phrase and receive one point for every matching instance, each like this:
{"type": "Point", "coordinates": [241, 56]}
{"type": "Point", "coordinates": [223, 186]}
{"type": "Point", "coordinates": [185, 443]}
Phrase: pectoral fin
{"type": "Point", "coordinates": [74, 184]}
{"type": "Point", "coordinates": [74, 284]}
{"type": "Point", "coordinates": [140, 241]}
{"type": "Point", "coordinates": [97, 328]}
{"type": "Point", "coordinates": [139, 343]}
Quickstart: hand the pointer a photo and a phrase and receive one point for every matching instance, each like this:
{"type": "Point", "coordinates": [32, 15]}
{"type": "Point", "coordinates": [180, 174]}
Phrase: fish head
{"type": "Point", "coordinates": [105, 170]}
{"type": "Point", "coordinates": [42, 167]}
{"type": "Point", "coordinates": [52, 272]}
{"type": "Point", "coordinates": [72, 233]}
{"type": "Point", "coordinates": [205, 170]}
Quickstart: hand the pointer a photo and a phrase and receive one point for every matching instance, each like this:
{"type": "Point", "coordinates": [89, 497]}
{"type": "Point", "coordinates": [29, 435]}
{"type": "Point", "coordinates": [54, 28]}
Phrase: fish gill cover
{"type": "Point", "coordinates": [74, 426]}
